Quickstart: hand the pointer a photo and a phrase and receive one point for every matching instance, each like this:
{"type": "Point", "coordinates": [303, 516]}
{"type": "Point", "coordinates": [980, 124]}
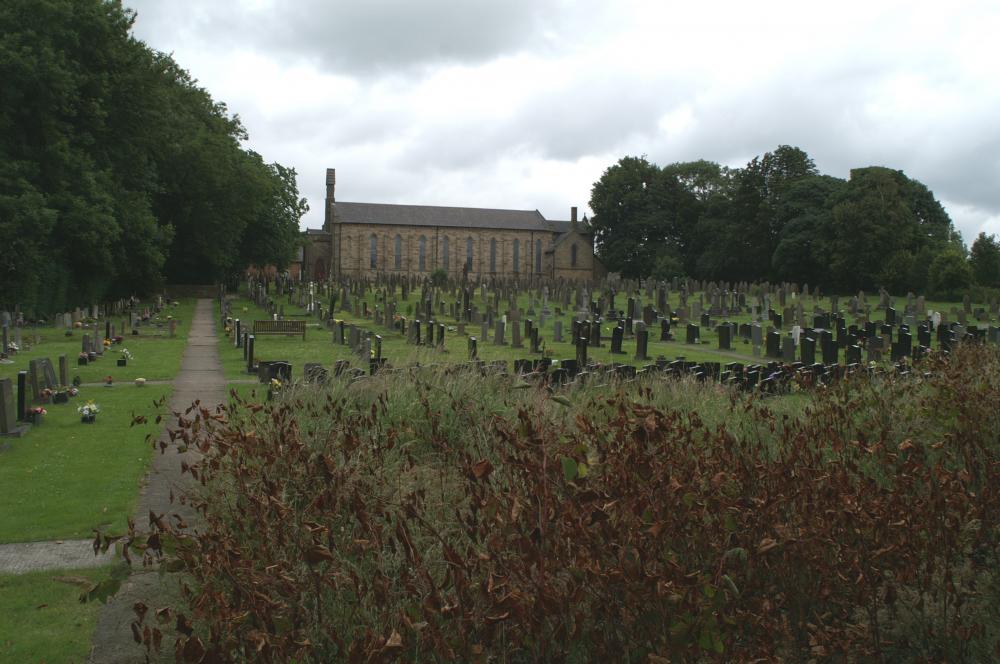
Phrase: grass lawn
{"type": "Point", "coordinates": [319, 346]}
{"type": "Point", "coordinates": [154, 357]}
{"type": "Point", "coordinates": [65, 478]}
{"type": "Point", "coordinates": [42, 620]}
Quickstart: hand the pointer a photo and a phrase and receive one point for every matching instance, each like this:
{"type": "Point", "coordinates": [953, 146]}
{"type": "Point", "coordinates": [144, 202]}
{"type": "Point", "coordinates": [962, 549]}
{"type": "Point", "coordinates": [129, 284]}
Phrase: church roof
{"type": "Point", "coordinates": [432, 215]}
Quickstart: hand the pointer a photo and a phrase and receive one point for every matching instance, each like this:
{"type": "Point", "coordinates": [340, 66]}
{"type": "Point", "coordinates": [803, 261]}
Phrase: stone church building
{"type": "Point", "coordinates": [360, 239]}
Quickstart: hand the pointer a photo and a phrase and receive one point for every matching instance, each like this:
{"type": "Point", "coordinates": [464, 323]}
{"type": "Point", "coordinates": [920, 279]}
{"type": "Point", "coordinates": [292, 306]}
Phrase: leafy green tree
{"type": "Point", "coordinates": [950, 275]}
{"type": "Point", "coordinates": [629, 204]}
{"type": "Point", "coordinates": [984, 259]}
{"type": "Point", "coordinates": [876, 235]}
{"type": "Point", "coordinates": [116, 169]}
{"type": "Point", "coordinates": [804, 210]}
{"type": "Point", "coordinates": [757, 203]}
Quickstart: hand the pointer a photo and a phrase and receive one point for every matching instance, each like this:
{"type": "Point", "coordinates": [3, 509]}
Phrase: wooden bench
{"type": "Point", "coordinates": [261, 327]}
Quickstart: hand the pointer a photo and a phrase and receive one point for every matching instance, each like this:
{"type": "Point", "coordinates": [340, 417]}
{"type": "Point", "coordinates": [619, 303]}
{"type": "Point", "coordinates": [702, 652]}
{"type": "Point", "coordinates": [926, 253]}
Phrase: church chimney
{"type": "Point", "coordinates": [572, 218]}
{"type": "Point", "coordinates": [331, 185]}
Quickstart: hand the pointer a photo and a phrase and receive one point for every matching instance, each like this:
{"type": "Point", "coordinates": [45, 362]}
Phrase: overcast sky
{"type": "Point", "coordinates": [522, 104]}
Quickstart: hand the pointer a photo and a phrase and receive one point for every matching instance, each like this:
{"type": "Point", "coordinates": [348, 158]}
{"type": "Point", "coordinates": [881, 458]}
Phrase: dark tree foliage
{"type": "Point", "coordinates": [775, 219]}
{"type": "Point", "coordinates": [116, 170]}
{"type": "Point", "coordinates": [984, 259]}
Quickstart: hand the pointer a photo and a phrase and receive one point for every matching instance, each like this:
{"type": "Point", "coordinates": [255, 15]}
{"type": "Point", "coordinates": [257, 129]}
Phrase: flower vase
{"type": "Point", "coordinates": [60, 397]}
{"type": "Point", "coordinates": [122, 362]}
{"type": "Point", "coordinates": [35, 418]}
{"type": "Point", "coordinates": [82, 361]}
{"type": "Point", "coordinates": [88, 419]}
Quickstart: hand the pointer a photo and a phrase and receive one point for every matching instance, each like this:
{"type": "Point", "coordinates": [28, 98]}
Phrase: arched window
{"type": "Point", "coordinates": [373, 251]}
{"type": "Point", "coordinates": [493, 255]}
{"type": "Point", "coordinates": [538, 256]}
{"type": "Point", "coordinates": [517, 256]}
{"type": "Point", "coordinates": [444, 254]}
{"type": "Point", "coordinates": [399, 252]}
{"type": "Point", "coordinates": [468, 254]}
{"type": "Point", "coordinates": [423, 253]}
{"type": "Point", "coordinates": [572, 255]}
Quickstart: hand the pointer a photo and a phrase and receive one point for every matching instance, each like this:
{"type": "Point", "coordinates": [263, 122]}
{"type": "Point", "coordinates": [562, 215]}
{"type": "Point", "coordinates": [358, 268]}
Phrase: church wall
{"type": "Point", "coordinates": [563, 259]}
{"type": "Point", "coordinates": [355, 256]}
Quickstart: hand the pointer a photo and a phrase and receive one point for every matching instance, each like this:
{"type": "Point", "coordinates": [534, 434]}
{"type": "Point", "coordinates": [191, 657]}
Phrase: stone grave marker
{"type": "Point", "coordinates": [724, 333]}
{"type": "Point", "coordinates": [641, 342]}
{"type": "Point", "coordinates": [8, 411]}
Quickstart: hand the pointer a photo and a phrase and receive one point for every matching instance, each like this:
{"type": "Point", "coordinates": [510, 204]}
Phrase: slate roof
{"type": "Point", "coordinates": [432, 215]}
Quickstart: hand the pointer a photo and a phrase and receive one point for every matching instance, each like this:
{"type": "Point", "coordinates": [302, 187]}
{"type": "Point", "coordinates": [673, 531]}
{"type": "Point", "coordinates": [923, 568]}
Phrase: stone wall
{"type": "Point", "coordinates": [586, 265]}
{"type": "Point", "coordinates": [355, 259]}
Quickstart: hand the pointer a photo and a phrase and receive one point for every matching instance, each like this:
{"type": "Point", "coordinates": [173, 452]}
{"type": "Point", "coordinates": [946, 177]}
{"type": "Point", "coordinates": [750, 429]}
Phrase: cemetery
{"type": "Point", "coordinates": [727, 332]}
{"type": "Point", "coordinates": [730, 413]}
{"type": "Point", "coordinates": [394, 359]}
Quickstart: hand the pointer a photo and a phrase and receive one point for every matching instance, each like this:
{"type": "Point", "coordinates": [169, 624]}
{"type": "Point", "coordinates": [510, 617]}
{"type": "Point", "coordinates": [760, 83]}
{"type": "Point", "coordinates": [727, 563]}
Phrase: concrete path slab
{"type": "Point", "coordinates": [24, 557]}
{"type": "Point", "coordinates": [201, 379]}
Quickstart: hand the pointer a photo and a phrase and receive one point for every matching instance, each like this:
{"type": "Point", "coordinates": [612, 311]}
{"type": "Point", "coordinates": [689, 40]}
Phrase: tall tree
{"type": "Point", "coordinates": [116, 168]}
{"type": "Point", "coordinates": [805, 213]}
{"type": "Point", "coordinates": [984, 259]}
{"type": "Point", "coordinates": [755, 212]}
{"type": "Point", "coordinates": [876, 238]}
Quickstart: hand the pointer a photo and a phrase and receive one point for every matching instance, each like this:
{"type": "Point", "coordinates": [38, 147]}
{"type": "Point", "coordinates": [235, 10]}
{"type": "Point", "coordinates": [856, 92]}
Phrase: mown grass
{"type": "Point", "coordinates": [154, 357]}
{"type": "Point", "coordinates": [43, 619]}
{"type": "Point", "coordinates": [65, 478]}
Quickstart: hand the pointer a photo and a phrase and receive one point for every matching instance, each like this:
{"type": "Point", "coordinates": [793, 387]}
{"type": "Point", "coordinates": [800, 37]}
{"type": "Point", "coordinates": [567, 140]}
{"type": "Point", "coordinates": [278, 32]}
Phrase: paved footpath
{"type": "Point", "coordinates": [200, 379]}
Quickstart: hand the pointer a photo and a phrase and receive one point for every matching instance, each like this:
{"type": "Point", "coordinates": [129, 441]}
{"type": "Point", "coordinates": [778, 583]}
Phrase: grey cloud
{"type": "Point", "coordinates": [568, 121]}
{"type": "Point", "coordinates": [364, 37]}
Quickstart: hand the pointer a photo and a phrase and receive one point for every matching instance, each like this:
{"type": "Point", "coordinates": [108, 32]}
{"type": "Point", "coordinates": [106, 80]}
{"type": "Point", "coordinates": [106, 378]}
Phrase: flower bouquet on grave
{"type": "Point", "coordinates": [273, 388]}
{"type": "Point", "coordinates": [109, 381]}
{"type": "Point", "coordinates": [35, 414]}
{"type": "Point", "coordinates": [125, 356]}
{"type": "Point", "coordinates": [88, 412]}
{"type": "Point", "coordinates": [107, 344]}
{"type": "Point", "coordinates": [118, 339]}
{"type": "Point", "coordinates": [73, 391]}
{"type": "Point", "coordinates": [46, 394]}
{"type": "Point", "coordinates": [139, 382]}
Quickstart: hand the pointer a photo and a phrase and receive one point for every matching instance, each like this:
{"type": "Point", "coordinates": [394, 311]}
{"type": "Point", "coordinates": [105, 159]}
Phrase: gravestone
{"type": "Point", "coordinates": [498, 334]}
{"type": "Point", "coordinates": [515, 335]}
{"type": "Point", "coordinates": [773, 344]}
{"type": "Point", "coordinates": [595, 334]}
{"type": "Point", "coordinates": [42, 376]}
{"type": "Point", "coordinates": [641, 342]}
{"type": "Point", "coordinates": [724, 333]}
{"type": "Point", "coordinates": [473, 350]}
{"type": "Point", "coordinates": [557, 331]}
{"type": "Point", "coordinates": [617, 334]}
{"type": "Point", "coordinates": [8, 411]}
{"type": "Point", "coordinates": [788, 350]}
{"type": "Point", "coordinates": [581, 351]}
{"type": "Point", "coordinates": [807, 351]}
{"type": "Point", "coordinates": [693, 333]}
{"type": "Point", "coordinates": [251, 367]}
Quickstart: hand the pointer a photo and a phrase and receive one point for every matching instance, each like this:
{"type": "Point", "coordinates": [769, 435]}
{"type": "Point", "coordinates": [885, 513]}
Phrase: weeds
{"type": "Point", "coordinates": [451, 518]}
